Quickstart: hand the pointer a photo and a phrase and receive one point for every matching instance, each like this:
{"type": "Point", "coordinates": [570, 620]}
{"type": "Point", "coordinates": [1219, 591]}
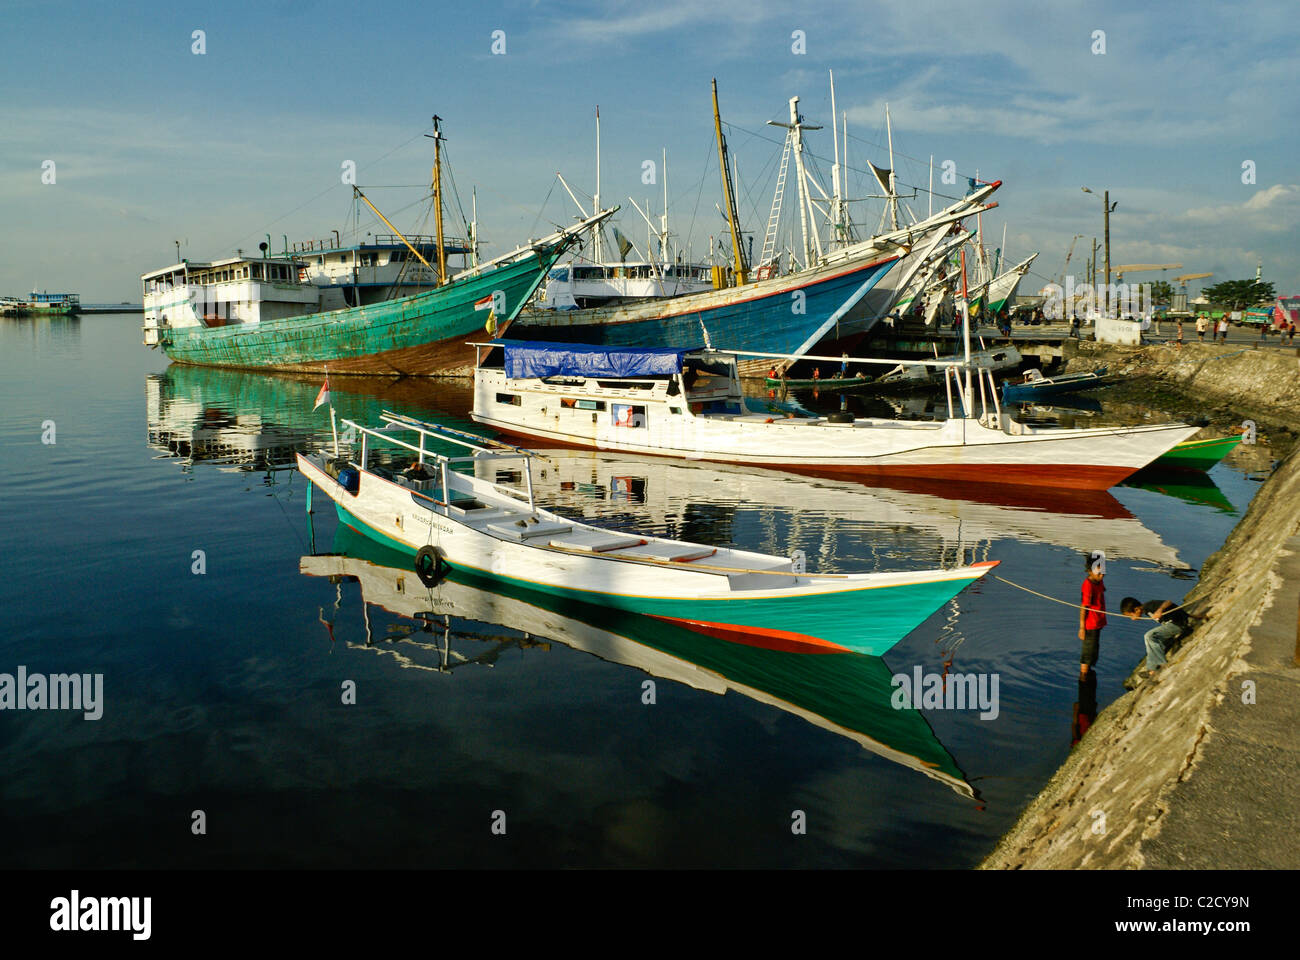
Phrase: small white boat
{"type": "Point", "coordinates": [689, 403]}
{"type": "Point", "coordinates": [488, 524]}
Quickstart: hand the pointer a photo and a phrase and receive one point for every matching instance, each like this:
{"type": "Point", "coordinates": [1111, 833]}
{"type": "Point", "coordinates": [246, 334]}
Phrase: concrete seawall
{"type": "Point", "coordinates": [1202, 768]}
{"type": "Point", "coordinates": [1261, 383]}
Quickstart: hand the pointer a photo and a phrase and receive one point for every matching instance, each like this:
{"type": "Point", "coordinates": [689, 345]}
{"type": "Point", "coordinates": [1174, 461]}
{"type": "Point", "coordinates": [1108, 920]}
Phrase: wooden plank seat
{"type": "Point", "coordinates": [596, 541]}
{"type": "Point", "coordinates": [677, 553]}
{"type": "Point", "coordinates": [526, 530]}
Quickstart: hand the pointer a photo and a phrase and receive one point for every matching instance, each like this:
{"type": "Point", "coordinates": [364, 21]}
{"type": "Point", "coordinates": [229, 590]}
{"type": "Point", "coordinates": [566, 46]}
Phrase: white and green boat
{"type": "Point", "coordinates": [487, 525]}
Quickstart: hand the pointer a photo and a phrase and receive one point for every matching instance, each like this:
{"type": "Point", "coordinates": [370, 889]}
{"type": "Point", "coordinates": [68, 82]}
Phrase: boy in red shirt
{"type": "Point", "coordinates": [1092, 615]}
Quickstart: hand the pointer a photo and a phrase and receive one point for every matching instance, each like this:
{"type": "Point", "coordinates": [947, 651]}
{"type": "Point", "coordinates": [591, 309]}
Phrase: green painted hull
{"type": "Point", "coordinates": [868, 621]}
{"type": "Point", "coordinates": [1197, 454]}
{"type": "Point", "coordinates": [421, 335]}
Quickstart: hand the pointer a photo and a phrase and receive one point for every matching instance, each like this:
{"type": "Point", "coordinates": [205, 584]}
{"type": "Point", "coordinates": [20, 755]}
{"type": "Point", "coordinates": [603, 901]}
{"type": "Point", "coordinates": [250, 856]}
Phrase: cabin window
{"type": "Point", "coordinates": [509, 398]}
{"type": "Point", "coordinates": [628, 415]}
{"type": "Point", "coordinates": [574, 404]}
{"type": "Point", "coordinates": [257, 271]}
{"type": "Point", "coordinates": [676, 410]}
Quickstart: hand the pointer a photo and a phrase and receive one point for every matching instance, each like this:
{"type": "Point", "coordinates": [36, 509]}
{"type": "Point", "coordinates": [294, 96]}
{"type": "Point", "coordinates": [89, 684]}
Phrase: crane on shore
{"type": "Point", "coordinates": [1141, 268]}
{"type": "Point", "coordinates": [1068, 255]}
{"type": "Point", "coordinates": [1190, 276]}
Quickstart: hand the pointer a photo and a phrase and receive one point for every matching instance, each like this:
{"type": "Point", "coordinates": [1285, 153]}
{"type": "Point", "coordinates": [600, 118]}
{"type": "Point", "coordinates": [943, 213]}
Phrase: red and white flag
{"type": "Point", "coordinates": [484, 304]}
{"type": "Point", "coordinates": [324, 395]}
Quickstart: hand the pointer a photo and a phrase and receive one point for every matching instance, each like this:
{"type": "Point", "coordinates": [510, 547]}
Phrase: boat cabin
{"type": "Point", "coordinates": [223, 292]}
{"type": "Point", "coordinates": [564, 389]}
{"type": "Point", "coordinates": [581, 284]}
{"type": "Point", "coordinates": [381, 268]}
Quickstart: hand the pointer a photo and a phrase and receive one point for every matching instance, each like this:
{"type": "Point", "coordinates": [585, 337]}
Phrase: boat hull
{"type": "Point", "coordinates": [867, 614]}
{"type": "Point", "coordinates": [421, 335]}
{"type": "Point", "coordinates": [1198, 455]}
{"type": "Point", "coordinates": [955, 449]}
{"type": "Point", "coordinates": [785, 315]}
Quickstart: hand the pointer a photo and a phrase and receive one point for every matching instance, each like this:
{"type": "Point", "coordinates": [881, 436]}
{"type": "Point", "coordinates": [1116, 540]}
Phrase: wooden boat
{"type": "Point", "coordinates": [1197, 455]}
{"type": "Point", "coordinates": [689, 403]}
{"type": "Point", "coordinates": [366, 309]}
{"type": "Point", "coordinates": [786, 314]}
{"type": "Point", "coordinates": [830, 384]}
{"type": "Point", "coordinates": [484, 525]}
{"type": "Point", "coordinates": [1037, 387]}
{"type": "Point", "coordinates": [463, 619]}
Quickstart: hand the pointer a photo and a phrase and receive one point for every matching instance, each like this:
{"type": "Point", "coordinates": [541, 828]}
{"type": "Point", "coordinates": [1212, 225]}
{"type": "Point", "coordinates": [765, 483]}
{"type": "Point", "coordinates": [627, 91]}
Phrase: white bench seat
{"type": "Point", "coordinates": [684, 553]}
{"type": "Point", "coordinates": [596, 541]}
{"type": "Point", "coordinates": [528, 530]}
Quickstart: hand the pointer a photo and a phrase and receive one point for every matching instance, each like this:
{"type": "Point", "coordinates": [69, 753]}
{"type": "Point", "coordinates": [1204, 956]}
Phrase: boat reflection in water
{"type": "Point", "coordinates": [1194, 488]}
{"type": "Point", "coordinates": [256, 421]}
{"type": "Point", "coordinates": [845, 693]}
{"type": "Point", "coordinates": [704, 501]}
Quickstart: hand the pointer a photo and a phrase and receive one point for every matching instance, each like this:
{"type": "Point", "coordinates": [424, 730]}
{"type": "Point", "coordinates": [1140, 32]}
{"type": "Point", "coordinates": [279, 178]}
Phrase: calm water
{"type": "Point", "coordinates": [222, 690]}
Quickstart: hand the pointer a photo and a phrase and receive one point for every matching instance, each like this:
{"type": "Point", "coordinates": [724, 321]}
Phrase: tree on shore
{"type": "Point", "coordinates": [1238, 294]}
{"type": "Point", "coordinates": [1162, 291]}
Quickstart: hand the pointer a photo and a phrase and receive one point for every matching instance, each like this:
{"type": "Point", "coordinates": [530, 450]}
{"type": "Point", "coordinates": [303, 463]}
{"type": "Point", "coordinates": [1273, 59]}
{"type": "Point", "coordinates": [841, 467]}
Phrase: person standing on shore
{"type": "Point", "coordinates": [1202, 323]}
{"type": "Point", "coordinates": [1092, 611]}
{"type": "Point", "coordinates": [1222, 331]}
{"type": "Point", "coordinates": [1180, 332]}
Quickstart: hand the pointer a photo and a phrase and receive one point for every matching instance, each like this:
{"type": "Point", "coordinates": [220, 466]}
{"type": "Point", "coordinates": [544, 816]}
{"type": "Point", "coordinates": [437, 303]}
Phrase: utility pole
{"type": "Point", "coordinates": [1105, 206]}
{"type": "Point", "coordinates": [1106, 209]}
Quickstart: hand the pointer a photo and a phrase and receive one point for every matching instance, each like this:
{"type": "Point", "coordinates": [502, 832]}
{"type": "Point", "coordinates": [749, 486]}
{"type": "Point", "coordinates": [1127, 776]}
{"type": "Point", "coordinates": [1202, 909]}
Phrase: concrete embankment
{"type": "Point", "coordinates": [1202, 768]}
{"type": "Point", "coordinates": [1259, 383]}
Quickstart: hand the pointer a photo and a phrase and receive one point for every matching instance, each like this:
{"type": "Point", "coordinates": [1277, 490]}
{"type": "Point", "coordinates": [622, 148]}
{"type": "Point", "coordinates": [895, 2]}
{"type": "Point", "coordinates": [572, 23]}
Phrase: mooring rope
{"type": "Point", "coordinates": [1067, 603]}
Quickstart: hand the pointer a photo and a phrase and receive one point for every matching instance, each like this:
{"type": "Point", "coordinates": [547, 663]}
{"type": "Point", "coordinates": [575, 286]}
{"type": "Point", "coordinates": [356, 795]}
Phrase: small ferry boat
{"type": "Point", "coordinates": [489, 524]}
{"type": "Point", "coordinates": [42, 304]}
{"type": "Point", "coordinates": [689, 403]}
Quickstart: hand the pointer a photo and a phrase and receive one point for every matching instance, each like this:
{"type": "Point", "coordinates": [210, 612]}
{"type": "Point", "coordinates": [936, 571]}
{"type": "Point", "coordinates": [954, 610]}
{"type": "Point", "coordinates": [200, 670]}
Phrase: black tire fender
{"type": "Point", "coordinates": [430, 566]}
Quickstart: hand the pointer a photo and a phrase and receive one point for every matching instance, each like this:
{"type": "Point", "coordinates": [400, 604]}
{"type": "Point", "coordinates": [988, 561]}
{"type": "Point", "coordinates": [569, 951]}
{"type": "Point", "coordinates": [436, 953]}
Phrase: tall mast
{"type": "Point", "coordinates": [893, 180]}
{"type": "Point", "coordinates": [663, 219]}
{"type": "Point", "coordinates": [800, 176]}
{"type": "Point", "coordinates": [968, 396]}
{"type": "Point", "coordinates": [932, 184]}
{"type": "Point", "coordinates": [837, 205]}
{"type": "Point", "coordinates": [473, 226]}
{"type": "Point", "coordinates": [437, 196]}
{"type": "Point", "coordinates": [737, 251]}
{"type": "Point", "coordinates": [596, 199]}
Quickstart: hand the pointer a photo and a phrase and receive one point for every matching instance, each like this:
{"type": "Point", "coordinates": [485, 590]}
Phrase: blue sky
{"type": "Point", "coordinates": [152, 142]}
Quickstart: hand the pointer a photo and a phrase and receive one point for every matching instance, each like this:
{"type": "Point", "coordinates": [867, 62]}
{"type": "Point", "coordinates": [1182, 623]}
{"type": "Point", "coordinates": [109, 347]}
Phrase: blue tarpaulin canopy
{"type": "Point", "coordinates": [530, 358]}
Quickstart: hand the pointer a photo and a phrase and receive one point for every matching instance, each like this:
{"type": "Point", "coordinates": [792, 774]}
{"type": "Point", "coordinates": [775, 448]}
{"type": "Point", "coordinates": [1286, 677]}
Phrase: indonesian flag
{"type": "Point", "coordinates": [484, 304]}
{"type": "Point", "coordinates": [324, 395]}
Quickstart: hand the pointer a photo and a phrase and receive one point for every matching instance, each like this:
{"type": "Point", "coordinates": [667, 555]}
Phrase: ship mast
{"type": "Point", "coordinates": [437, 196]}
{"type": "Point", "coordinates": [738, 252]}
